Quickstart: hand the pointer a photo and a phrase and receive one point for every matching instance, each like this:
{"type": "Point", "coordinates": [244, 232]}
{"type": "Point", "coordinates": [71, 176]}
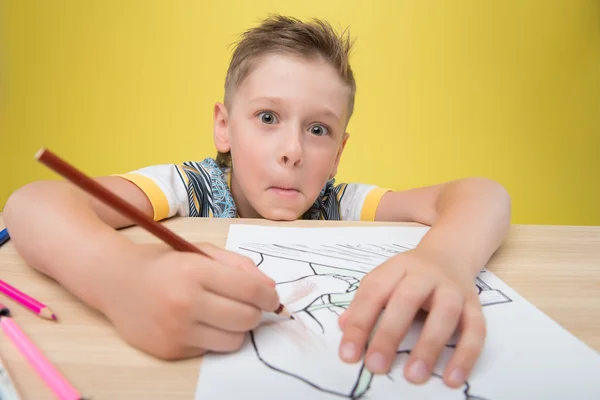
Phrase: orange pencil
{"type": "Point", "coordinates": [92, 187]}
{"type": "Point", "coordinates": [27, 301]}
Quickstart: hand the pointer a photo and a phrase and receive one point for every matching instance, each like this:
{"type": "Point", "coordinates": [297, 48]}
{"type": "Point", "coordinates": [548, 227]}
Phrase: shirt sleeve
{"type": "Point", "coordinates": [359, 202]}
{"type": "Point", "coordinates": [165, 186]}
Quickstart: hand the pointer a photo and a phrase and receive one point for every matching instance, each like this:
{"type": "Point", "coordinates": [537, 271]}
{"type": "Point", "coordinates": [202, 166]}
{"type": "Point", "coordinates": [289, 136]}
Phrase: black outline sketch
{"type": "Point", "coordinates": [356, 259]}
{"type": "Point", "coordinates": [303, 379]}
{"type": "Point", "coordinates": [489, 296]}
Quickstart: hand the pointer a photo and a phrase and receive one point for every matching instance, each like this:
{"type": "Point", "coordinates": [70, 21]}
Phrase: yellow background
{"type": "Point", "coordinates": [504, 89]}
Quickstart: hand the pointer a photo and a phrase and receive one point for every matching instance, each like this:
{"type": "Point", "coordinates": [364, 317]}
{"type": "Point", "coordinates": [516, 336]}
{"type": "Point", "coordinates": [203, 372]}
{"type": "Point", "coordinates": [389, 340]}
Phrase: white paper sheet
{"type": "Point", "coordinates": [7, 388]}
{"type": "Point", "coordinates": [526, 356]}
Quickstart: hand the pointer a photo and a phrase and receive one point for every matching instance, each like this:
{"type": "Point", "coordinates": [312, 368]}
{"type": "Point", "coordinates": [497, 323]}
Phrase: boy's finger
{"type": "Point", "coordinates": [342, 319]}
{"type": "Point", "coordinates": [472, 338]}
{"type": "Point", "coordinates": [232, 258]}
{"type": "Point", "coordinates": [224, 313]}
{"type": "Point", "coordinates": [397, 318]}
{"type": "Point", "coordinates": [239, 285]}
{"type": "Point", "coordinates": [207, 337]}
{"type": "Point", "coordinates": [192, 352]}
{"type": "Point", "coordinates": [440, 325]}
{"type": "Point", "coordinates": [361, 316]}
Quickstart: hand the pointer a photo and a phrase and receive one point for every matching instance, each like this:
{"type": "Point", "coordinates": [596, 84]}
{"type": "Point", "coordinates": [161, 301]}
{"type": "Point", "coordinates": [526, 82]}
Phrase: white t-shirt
{"type": "Point", "coordinates": [202, 189]}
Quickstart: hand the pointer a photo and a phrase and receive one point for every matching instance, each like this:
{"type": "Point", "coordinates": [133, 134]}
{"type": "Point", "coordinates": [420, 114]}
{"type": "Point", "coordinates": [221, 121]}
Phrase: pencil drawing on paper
{"type": "Point", "coordinates": [325, 280]}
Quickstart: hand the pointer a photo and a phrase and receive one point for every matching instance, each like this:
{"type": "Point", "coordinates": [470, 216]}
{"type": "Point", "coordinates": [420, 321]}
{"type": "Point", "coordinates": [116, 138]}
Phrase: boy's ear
{"type": "Point", "coordinates": [220, 131]}
{"type": "Point", "coordinates": [339, 155]}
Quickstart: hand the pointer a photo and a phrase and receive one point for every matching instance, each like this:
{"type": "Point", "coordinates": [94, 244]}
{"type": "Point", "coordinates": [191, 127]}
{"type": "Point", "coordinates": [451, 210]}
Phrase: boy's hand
{"type": "Point", "coordinates": [402, 285]}
{"type": "Point", "coordinates": [174, 304]}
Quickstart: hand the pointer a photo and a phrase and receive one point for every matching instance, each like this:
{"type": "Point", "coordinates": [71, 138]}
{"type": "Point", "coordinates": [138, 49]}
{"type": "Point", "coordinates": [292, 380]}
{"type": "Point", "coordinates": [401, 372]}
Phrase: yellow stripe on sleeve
{"type": "Point", "coordinates": [371, 203]}
{"type": "Point", "coordinates": [157, 198]}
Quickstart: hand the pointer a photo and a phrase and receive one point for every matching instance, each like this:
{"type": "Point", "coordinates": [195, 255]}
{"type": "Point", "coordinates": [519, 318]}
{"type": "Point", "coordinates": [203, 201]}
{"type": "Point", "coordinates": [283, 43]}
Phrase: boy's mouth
{"type": "Point", "coordinates": [285, 192]}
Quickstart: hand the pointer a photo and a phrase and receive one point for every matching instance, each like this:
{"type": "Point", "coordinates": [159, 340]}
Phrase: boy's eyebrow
{"type": "Point", "coordinates": [277, 100]}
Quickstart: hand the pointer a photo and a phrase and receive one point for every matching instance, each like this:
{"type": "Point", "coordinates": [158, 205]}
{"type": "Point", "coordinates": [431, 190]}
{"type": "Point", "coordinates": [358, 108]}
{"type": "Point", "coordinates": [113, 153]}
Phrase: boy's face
{"type": "Point", "coordinates": [286, 132]}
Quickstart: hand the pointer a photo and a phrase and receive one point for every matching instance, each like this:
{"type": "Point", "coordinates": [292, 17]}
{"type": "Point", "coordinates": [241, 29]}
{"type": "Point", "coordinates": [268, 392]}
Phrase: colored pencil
{"type": "Point", "coordinates": [27, 301]}
{"type": "Point", "coordinates": [53, 378]}
{"type": "Point", "coordinates": [8, 391]}
{"type": "Point", "coordinates": [93, 188]}
{"type": "Point", "coordinates": [4, 236]}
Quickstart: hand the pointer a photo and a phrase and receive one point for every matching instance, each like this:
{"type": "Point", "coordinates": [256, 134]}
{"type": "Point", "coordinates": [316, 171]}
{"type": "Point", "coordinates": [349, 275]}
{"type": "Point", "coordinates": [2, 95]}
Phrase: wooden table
{"type": "Point", "coordinates": [555, 268]}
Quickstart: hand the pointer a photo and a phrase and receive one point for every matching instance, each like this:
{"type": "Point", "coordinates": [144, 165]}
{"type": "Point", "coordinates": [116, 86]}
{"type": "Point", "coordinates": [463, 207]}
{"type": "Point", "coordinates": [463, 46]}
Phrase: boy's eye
{"type": "Point", "coordinates": [267, 117]}
{"type": "Point", "coordinates": [319, 130]}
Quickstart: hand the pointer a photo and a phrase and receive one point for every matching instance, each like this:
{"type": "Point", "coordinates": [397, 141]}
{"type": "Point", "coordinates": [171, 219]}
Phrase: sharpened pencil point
{"type": "Point", "coordinates": [39, 153]}
{"type": "Point", "coordinates": [282, 311]}
{"type": "Point", "coordinates": [47, 313]}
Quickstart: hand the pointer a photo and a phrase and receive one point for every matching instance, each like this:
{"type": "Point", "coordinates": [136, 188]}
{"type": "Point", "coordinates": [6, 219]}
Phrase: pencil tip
{"type": "Point", "coordinates": [39, 153]}
{"type": "Point", "coordinates": [54, 317]}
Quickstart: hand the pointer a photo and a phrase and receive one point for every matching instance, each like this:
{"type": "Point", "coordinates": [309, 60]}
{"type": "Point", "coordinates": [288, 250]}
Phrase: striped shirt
{"type": "Point", "coordinates": [202, 189]}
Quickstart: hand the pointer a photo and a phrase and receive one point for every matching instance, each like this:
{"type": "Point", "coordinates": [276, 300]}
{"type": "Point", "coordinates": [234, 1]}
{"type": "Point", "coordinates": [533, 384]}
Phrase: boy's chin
{"type": "Point", "coordinates": [280, 214]}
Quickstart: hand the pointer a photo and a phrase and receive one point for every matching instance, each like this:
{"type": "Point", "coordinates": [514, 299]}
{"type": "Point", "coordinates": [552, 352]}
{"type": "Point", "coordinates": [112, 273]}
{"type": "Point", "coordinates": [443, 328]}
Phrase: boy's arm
{"type": "Point", "coordinates": [162, 301]}
{"type": "Point", "coordinates": [64, 232]}
{"type": "Point", "coordinates": [469, 218]}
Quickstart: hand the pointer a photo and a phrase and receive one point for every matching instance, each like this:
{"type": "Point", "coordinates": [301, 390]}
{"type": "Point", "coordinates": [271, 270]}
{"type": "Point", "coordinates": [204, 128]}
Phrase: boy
{"type": "Point", "coordinates": [289, 95]}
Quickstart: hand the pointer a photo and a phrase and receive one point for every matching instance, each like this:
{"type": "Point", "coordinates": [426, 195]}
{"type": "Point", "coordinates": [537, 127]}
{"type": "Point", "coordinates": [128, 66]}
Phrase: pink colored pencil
{"type": "Point", "coordinates": [39, 308]}
{"type": "Point", "coordinates": [57, 383]}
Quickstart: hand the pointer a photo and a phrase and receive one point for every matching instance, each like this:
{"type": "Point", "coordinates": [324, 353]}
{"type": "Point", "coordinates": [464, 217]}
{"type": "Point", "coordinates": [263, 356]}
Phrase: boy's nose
{"type": "Point", "coordinates": [295, 162]}
{"type": "Point", "coordinates": [291, 155]}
